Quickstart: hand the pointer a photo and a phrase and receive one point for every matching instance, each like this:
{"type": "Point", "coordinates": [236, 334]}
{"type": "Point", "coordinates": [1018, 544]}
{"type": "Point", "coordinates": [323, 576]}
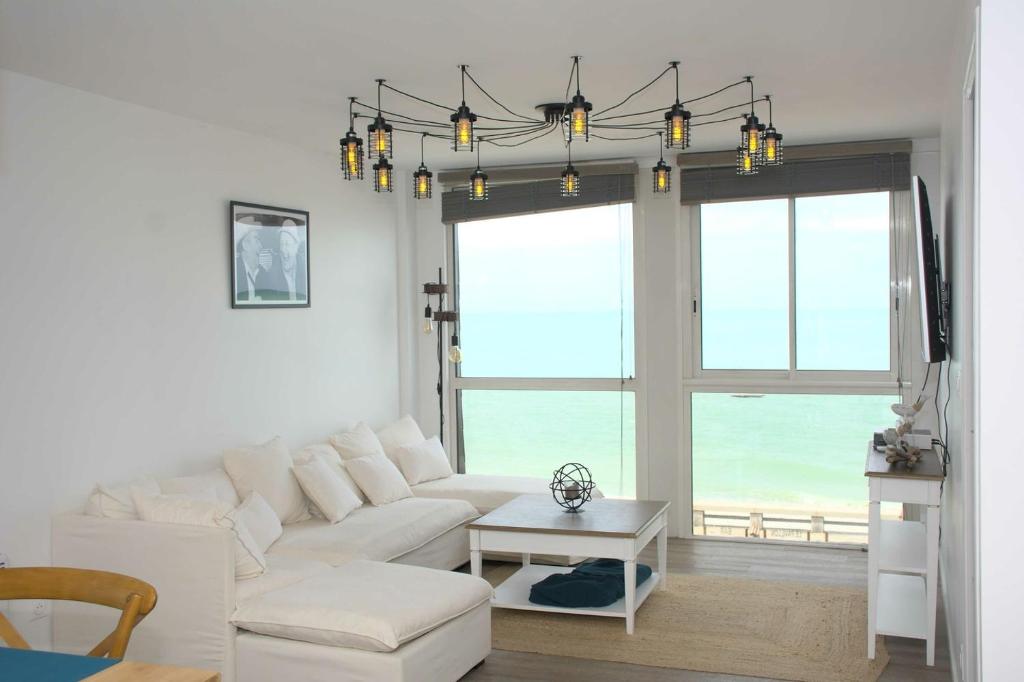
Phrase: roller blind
{"type": "Point", "coordinates": [858, 173]}
{"type": "Point", "coordinates": [538, 196]}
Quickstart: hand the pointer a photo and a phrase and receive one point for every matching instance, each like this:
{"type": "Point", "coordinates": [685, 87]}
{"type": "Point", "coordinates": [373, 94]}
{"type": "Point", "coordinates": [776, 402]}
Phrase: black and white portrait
{"type": "Point", "coordinates": [270, 257]}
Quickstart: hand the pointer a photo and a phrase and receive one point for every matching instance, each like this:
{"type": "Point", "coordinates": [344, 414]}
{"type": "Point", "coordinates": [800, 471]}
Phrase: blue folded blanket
{"type": "Point", "coordinates": [597, 582]}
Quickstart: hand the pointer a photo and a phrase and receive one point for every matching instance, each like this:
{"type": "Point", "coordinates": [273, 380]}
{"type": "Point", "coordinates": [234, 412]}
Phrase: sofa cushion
{"type": "Point", "coordinates": [364, 605]}
{"type": "Point", "coordinates": [359, 441]}
{"type": "Point", "coordinates": [380, 533]}
{"type": "Point", "coordinates": [329, 456]}
{"type": "Point", "coordinates": [281, 571]}
{"type": "Point", "coordinates": [116, 502]}
{"type": "Point", "coordinates": [483, 491]}
{"type": "Point", "coordinates": [260, 519]}
{"type": "Point", "coordinates": [204, 509]}
{"type": "Point", "coordinates": [379, 478]}
{"type": "Point", "coordinates": [267, 468]}
{"type": "Point", "coordinates": [327, 491]}
{"type": "Point", "coordinates": [424, 461]}
{"type": "Point", "coordinates": [217, 479]}
{"type": "Point", "coordinates": [399, 434]}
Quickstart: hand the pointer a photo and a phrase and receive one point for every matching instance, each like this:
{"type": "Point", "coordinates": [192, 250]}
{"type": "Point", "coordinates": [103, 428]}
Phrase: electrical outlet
{"type": "Point", "coordinates": [38, 609]}
{"type": "Point", "coordinates": [4, 562]}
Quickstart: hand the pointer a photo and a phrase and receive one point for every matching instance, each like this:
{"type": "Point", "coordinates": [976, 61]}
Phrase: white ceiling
{"type": "Point", "coordinates": [838, 70]}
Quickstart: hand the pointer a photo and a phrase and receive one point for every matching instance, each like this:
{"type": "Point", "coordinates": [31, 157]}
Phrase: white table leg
{"type": "Point", "coordinates": [663, 557]}
{"type": "Point", "coordinates": [931, 586]}
{"type": "Point", "coordinates": [630, 577]}
{"type": "Point", "coordinates": [874, 528]}
{"type": "Point", "coordinates": [475, 560]}
{"type": "Point", "coordinates": [526, 559]}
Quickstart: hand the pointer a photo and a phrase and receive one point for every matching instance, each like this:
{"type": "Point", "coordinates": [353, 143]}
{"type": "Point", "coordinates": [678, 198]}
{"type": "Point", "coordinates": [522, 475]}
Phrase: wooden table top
{"type": "Point", "coordinates": [149, 672]}
{"type": "Point", "coordinates": [929, 468]}
{"type": "Point", "coordinates": [602, 517]}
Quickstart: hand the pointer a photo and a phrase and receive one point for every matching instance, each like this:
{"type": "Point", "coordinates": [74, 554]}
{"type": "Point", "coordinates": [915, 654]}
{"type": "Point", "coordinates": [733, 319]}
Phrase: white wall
{"type": "Point", "coordinates": [1000, 310]}
{"type": "Point", "coordinates": [120, 353]}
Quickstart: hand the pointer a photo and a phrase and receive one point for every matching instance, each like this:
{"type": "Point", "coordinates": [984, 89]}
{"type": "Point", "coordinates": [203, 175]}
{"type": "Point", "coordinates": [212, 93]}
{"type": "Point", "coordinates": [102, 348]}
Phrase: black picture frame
{"type": "Point", "coordinates": [261, 241]}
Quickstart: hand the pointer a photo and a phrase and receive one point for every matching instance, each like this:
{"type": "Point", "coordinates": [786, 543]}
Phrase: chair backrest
{"type": "Point", "coordinates": [134, 598]}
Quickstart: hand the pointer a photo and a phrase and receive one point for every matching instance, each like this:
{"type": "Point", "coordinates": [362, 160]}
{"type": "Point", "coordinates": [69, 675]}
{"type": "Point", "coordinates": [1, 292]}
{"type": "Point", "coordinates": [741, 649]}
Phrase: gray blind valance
{"type": "Point", "coordinates": [862, 173]}
{"type": "Point", "coordinates": [536, 197]}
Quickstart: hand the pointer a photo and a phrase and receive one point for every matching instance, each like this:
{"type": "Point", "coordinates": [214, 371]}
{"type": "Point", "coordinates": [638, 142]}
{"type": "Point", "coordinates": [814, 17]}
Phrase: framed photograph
{"type": "Point", "coordinates": [269, 256]}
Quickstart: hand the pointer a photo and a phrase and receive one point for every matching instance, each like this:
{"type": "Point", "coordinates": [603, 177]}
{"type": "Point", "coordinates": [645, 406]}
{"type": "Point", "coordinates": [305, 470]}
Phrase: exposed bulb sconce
{"type": "Point", "coordinates": [579, 110]}
{"type": "Point", "coordinates": [379, 132]}
{"type": "Point", "coordinates": [463, 120]}
{"type": "Point", "coordinates": [661, 173]}
{"type": "Point", "coordinates": [351, 148]}
{"type": "Point", "coordinates": [422, 179]}
{"type": "Point", "coordinates": [677, 120]}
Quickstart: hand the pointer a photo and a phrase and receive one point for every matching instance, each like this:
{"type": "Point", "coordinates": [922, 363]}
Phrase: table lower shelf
{"type": "Point", "coordinates": [902, 606]}
{"type": "Point", "coordinates": [514, 593]}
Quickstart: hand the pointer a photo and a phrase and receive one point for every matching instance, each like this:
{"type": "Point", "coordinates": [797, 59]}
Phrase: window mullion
{"type": "Point", "coordinates": [792, 288]}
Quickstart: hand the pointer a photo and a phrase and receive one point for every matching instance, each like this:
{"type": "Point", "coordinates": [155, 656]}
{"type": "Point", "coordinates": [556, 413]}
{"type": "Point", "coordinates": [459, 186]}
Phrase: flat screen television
{"type": "Point", "coordinates": [929, 276]}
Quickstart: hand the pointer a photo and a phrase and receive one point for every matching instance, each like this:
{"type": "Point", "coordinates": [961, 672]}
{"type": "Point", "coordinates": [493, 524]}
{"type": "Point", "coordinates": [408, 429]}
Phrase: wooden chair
{"type": "Point", "coordinates": [133, 597]}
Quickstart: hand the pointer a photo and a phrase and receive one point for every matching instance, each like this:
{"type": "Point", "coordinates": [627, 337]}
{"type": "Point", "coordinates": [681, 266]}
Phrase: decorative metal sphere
{"type": "Point", "coordinates": [572, 485]}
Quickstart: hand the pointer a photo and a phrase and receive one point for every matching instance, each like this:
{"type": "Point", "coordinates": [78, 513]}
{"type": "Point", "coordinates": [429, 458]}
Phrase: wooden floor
{"type": "Point", "coordinates": [709, 557]}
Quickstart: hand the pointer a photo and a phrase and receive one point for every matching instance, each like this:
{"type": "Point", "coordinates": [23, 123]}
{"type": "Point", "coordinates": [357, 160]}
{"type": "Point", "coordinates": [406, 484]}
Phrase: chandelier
{"type": "Point", "coordinates": [464, 130]}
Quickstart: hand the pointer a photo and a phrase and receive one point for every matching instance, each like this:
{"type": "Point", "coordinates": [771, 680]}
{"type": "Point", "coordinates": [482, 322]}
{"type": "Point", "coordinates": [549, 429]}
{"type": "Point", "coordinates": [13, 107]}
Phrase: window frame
{"type": "Point", "coordinates": [456, 383]}
{"type": "Point", "coordinates": [822, 382]}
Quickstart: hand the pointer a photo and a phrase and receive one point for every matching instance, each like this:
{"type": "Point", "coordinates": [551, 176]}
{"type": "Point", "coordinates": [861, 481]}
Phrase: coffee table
{"type": "Point", "coordinates": [606, 528]}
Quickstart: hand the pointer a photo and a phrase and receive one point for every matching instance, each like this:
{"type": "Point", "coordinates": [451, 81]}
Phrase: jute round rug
{"type": "Point", "coordinates": [760, 628]}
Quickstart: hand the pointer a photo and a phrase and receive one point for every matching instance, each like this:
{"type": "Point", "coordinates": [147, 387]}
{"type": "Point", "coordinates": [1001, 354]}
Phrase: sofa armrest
{"type": "Point", "coordinates": [192, 569]}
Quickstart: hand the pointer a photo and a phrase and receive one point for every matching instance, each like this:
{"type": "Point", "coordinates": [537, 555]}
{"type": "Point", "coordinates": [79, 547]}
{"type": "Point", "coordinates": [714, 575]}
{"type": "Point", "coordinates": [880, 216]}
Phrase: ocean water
{"type": "Point", "coordinates": [773, 451]}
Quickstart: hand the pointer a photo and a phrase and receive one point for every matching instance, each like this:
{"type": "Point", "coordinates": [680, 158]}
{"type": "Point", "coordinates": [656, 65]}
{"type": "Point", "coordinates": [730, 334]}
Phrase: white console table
{"type": "Point", "coordinates": [903, 556]}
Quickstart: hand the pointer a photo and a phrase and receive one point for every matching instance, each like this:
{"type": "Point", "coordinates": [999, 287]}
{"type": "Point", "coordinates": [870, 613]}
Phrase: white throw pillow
{"type": "Point", "coordinates": [267, 469]}
{"type": "Point", "coordinates": [217, 479]}
{"type": "Point", "coordinates": [260, 520]}
{"type": "Point", "coordinates": [425, 461]}
{"type": "Point", "coordinates": [400, 434]}
{"type": "Point", "coordinates": [359, 441]}
{"type": "Point", "coordinates": [213, 513]}
{"type": "Point", "coordinates": [329, 494]}
{"type": "Point", "coordinates": [379, 478]}
{"type": "Point", "coordinates": [330, 457]}
{"type": "Point", "coordinates": [116, 502]}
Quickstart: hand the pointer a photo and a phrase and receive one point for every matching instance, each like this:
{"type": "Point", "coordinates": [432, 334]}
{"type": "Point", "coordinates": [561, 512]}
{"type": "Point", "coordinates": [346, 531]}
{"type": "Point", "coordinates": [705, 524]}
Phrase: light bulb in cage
{"type": "Point", "coordinates": [750, 137]}
{"type": "Point", "coordinates": [772, 147]}
{"type": "Point", "coordinates": [478, 185]}
{"type": "Point", "coordinates": [383, 176]}
{"type": "Point", "coordinates": [745, 162]}
{"type": "Point", "coordinates": [570, 184]}
{"type": "Point", "coordinates": [677, 127]}
{"type": "Point", "coordinates": [662, 176]}
{"type": "Point", "coordinates": [379, 139]}
{"type": "Point", "coordinates": [352, 156]}
{"type": "Point", "coordinates": [579, 118]}
{"type": "Point", "coordinates": [422, 183]}
{"type": "Point", "coordinates": [463, 119]}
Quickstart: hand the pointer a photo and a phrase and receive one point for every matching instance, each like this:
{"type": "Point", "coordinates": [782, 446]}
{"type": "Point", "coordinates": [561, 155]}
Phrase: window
{"type": "Point", "coordinates": [794, 363]}
{"type": "Point", "coordinates": [546, 328]}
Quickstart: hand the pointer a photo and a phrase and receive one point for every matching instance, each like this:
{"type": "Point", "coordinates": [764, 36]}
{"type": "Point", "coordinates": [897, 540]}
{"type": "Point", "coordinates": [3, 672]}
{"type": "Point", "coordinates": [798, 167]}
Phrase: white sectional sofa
{"type": "Point", "coordinates": [370, 597]}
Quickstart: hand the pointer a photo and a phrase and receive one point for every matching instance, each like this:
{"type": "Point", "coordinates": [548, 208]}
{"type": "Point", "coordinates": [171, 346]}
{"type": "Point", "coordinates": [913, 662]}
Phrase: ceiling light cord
{"type": "Point", "coordinates": [635, 93]}
{"type": "Point", "coordinates": [380, 83]}
{"type": "Point", "coordinates": [493, 99]}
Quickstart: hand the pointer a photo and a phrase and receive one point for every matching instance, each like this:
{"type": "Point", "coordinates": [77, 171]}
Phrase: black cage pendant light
{"type": "Point", "coordinates": [661, 173]}
{"type": "Point", "coordinates": [422, 179]}
{"type": "Point", "coordinates": [579, 110]}
{"type": "Point", "coordinates": [463, 120]}
{"type": "Point", "coordinates": [570, 183]}
{"type": "Point", "coordinates": [478, 179]}
{"type": "Point", "coordinates": [379, 133]}
{"type": "Point", "coordinates": [352, 148]}
{"type": "Point", "coordinates": [383, 176]}
{"type": "Point", "coordinates": [677, 120]}
{"type": "Point", "coordinates": [772, 140]}
{"type": "Point", "coordinates": [750, 153]}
